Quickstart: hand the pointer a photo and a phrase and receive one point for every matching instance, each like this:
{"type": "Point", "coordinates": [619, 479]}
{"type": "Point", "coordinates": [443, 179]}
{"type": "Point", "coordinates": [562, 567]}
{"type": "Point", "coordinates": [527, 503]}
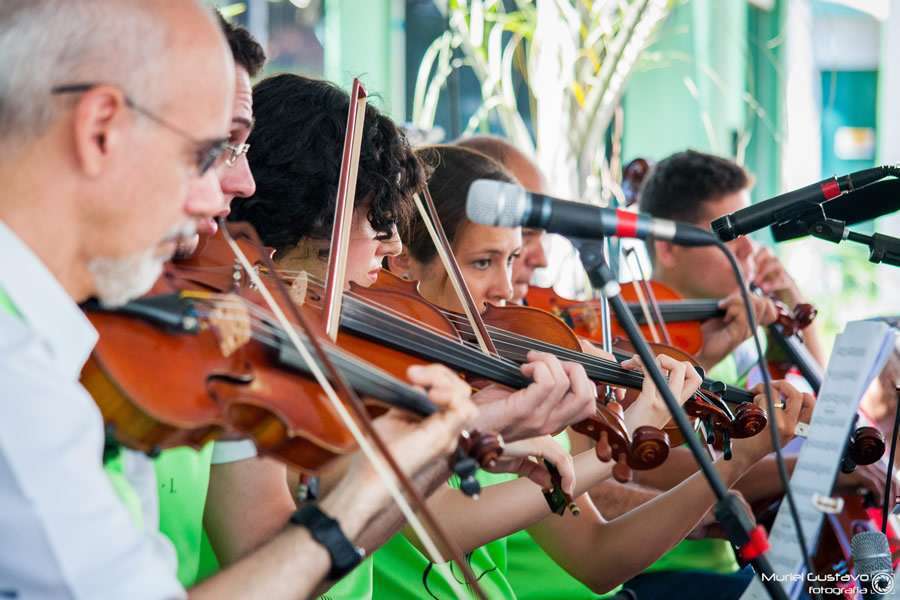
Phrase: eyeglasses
{"type": "Point", "coordinates": [235, 152]}
{"type": "Point", "coordinates": [208, 152]}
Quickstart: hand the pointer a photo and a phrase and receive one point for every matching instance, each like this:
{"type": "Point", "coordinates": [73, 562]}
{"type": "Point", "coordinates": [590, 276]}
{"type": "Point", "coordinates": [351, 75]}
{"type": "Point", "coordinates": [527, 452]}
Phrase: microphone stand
{"type": "Point", "coordinates": [729, 511]}
{"type": "Point", "coordinates": [882, 248]}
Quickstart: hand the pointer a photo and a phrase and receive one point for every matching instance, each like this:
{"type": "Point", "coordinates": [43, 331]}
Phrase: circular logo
{"type": "Point", "coordinates": [883, 583]}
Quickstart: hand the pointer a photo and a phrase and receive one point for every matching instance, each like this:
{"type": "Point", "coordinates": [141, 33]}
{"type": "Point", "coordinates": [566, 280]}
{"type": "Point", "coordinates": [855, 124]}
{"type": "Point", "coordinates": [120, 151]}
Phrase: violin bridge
{"type": "Point", "coordinates": [298, 289]}
{"type": "Point", "coordinates": [230, 322]}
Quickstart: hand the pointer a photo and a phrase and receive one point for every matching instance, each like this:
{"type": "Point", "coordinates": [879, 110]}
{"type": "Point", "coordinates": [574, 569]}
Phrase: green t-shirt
{"type": "Point", "coordinates": [356, 585]}
{"type": "Point", "coordinates": [712, 555]}
{"type": "Point", "coordinates": [401, 571]}
{"type": "Point", "coordinates": [534, 575]}
{"type": "Point", "coordinates": [183, 478]}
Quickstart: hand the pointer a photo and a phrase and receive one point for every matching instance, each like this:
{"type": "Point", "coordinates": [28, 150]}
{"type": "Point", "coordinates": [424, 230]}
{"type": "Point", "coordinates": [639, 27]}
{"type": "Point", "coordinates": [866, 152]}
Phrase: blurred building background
{"type": "Point", "coordinates": [796, 90]}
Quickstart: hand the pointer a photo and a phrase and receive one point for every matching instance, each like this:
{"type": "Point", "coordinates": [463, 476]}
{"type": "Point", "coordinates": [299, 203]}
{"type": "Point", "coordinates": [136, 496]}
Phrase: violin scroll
{"type": "Point", "coordinates": [749, 419]}
{"type": "Point", "coordinates": [866, 447]}
{"type": "Point", "coordinates": [649, 448]}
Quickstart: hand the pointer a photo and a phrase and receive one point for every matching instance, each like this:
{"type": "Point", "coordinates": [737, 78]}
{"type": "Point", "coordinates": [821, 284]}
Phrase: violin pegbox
{"type": "Point", "coordinates": [229, 320]}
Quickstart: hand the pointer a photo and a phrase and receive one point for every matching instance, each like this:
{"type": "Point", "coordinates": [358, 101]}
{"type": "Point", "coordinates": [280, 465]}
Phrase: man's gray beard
{"type": "Point", "coordinates": [118, 280]}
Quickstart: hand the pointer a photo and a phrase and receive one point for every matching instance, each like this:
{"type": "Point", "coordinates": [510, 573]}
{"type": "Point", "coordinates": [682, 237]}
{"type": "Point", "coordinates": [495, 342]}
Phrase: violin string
{"type": "Point", "coordinates": [265, 332]}
{"type": "Point", "coordinates": [601, 368]}
{"type": "Point", "coordinates": [598, 367]}
{"type": "Point", "coordinates": [439, 347]}
{"type": "Point", "coordinates": [598, 364]}
{"type": "Point", "coordinates": [376, 313]}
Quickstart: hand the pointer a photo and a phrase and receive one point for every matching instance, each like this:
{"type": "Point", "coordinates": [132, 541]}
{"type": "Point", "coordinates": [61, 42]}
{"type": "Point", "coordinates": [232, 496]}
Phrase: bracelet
{"type": "Point", "coordinates": [327, 532]}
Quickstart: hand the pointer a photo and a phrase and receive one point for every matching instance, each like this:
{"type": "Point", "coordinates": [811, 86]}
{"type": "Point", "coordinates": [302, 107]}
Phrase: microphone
{"type": "Point", "coordinates": [864, 204]}
{"type": "Point", "coordinates": [501, 204]}
{"type": "Point", "coordinates": [793, 204]}
{"type": "Point", "coordinates": [872, 559]}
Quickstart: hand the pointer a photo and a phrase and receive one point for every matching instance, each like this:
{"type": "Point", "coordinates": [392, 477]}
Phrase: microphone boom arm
{"type": "Point", "coordinates": [882, 248]}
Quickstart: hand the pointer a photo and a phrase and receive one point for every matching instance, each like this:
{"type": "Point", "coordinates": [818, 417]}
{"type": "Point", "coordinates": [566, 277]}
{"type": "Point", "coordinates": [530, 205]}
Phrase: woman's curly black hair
{"type": "Point", "coordinates": [295, 157]}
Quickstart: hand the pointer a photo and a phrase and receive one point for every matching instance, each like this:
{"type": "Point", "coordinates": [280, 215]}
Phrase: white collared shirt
{"type": "Point", "coordinates": [63, 531]}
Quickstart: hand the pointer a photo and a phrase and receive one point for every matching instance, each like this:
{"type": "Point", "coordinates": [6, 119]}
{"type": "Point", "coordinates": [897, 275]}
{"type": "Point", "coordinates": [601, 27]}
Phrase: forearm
{"type": "Point", "coordinates": [762, 482]}
{"type": "Point", "coordinates": [390, 520]}
{"type": "Point", "coordinates": [680, 465]}
{"type": "Point", "coordinates": [505, 508]}
{"type": "Point", "coordinates": [614, 499]}
{"type": "Point", "coordinates": [605, 554]}
{"type": "Point", "coordinates": [291, 565]}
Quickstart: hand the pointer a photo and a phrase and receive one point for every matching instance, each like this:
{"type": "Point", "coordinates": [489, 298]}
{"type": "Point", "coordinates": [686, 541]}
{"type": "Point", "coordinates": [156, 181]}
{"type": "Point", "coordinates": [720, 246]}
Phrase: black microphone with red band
{"type": "Point", "coordinates": [796, 204]}
{"type": "Point", "coordinates": [861, 205]}
{"type": "Point", "coordinates": [501, 204]}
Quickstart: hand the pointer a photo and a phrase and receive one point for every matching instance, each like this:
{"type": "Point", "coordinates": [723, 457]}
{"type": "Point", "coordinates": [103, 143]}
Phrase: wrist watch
{"type": "Point", "coordinates": [327, 532]}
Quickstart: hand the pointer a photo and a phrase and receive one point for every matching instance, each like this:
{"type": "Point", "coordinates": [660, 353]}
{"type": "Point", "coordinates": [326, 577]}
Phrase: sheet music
{"type": "Point", "coordinates": [859, 354]}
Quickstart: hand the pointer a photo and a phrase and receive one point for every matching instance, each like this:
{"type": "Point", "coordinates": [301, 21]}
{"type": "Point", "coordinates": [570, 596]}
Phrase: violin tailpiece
{"type": "Point", "coordinates": [231, 324]}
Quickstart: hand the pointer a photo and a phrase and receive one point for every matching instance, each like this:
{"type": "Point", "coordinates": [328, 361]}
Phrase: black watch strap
{"type": "Point", "coordinates": [325, 530]}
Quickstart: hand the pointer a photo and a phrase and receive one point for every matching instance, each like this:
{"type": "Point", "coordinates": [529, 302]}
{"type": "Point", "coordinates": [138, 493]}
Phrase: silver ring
{"type": "Point", "coordinates": [801, 429]}
{"type": "Point", "coordinates": [780, 405]}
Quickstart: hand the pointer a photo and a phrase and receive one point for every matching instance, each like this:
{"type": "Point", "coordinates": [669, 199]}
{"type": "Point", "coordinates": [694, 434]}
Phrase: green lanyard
{"type": "Point", "coordinates": [7, 306]}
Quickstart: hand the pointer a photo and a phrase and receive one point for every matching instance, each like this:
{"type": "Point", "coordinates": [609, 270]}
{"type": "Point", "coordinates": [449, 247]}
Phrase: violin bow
{"type": "Point", "coordinates": [647, 299]}
{"type": "Point", "coordinates": [343, 214]}
{"type": "Point", "coordinates": [333, 297]}
{"type": "Point", "coordinates": [428, 212]}
{"type": "Point", "coordinates": [557, 500]}
{"type": "Point", "coordinates": [639, 292]}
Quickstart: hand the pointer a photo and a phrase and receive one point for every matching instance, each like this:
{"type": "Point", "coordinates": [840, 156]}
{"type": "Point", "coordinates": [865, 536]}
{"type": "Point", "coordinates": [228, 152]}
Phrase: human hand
{"type": "Point", "coordinates": [526, 459]}
{"type": "Point", "coordinates": [560, 394]}
{"type": "Point", "coordinates": [772, 278]}
{"type": "Point", "coordinates": [723, 334]}
{"type": "Point", "coordinates": [650, 408]}
{"type": "Point", "coordinates": [798, 408]}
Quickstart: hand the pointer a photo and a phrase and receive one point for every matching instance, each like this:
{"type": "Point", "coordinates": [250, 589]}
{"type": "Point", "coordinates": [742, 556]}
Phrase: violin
{"type": "Point", "coordinates": [682, 317]}
{"type": "Point", "coordinates": [720, 422]}
{"type": "Point", "coordinates": [228, 369]}
{"type": "Point", "coordinates": [394, 326]}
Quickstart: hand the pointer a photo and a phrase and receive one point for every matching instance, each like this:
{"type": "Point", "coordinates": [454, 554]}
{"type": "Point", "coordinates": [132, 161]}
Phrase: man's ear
{"type": "Point", "coordinates": [400, 264]}
{"type": "Point", "coordinates": [665, 254]}
{"type": "Point", "coordinates": [99, 118]}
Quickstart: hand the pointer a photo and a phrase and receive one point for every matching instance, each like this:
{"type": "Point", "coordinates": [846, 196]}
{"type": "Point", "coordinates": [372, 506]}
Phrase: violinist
{"type": "Point", "coordinates": [696, 188]}
{"type": "Point", "coordinates": [100, 186]}
{"type": "Point", "coordinates": [600, 554]}
{"type": "Point", "coordinates": [183, 473]}
{"type": "Point", "coordinates": [526, 559]}
{"type": "Point", "coordinates": [533, 255]}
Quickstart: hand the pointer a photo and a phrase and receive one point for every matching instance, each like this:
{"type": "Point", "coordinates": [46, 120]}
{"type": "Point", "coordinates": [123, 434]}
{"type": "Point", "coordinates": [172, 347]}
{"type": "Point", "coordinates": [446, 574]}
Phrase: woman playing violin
{"type": "Point", "coordinates": [601, 554]}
